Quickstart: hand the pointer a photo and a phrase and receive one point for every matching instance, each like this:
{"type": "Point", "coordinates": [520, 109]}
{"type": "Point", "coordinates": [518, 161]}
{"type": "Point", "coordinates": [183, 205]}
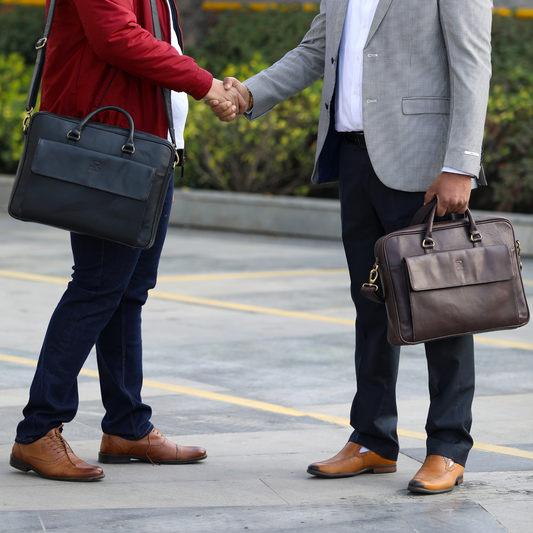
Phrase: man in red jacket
{"type": "Point", "coordinates": [103, 52]}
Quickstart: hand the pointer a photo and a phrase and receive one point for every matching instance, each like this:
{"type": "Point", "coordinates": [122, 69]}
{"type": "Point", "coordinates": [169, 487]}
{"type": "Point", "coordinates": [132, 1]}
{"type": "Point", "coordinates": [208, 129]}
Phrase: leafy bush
{"type": "Point", "coordinates": [15, 79]}
{"type": "Point", "coordinates": [276, 153]}
{"type": "Point", "coordinates": [273, 155]}
{"type": "Point", "coordinates": [20, 28]}
{"type": "Point", "coordinates": [238, 36]}
{"type": "Point", "coordinates": [509, 127]}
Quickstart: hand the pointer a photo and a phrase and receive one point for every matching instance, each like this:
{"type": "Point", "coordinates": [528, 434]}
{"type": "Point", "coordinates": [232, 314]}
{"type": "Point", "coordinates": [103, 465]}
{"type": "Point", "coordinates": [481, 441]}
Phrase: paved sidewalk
{"type": "Point", "coordinates": [248, 352]}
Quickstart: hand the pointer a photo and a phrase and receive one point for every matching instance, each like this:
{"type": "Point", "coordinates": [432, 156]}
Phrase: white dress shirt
{"type": "Point", "coordinates": [349, 98]}
{"type": "Point", "coordinates": [349, 103]}
{"type": "Point", "coordinates": [180, 102]}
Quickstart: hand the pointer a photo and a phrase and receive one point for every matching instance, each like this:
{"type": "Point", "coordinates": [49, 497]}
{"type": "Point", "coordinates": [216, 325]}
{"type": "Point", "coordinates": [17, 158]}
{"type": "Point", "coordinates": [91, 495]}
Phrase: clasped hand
{"type": "Point", "coordinates": [228, 99]}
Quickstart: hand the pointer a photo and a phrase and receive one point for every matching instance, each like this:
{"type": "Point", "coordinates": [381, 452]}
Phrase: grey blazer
{"type": "Point", "coordinates": [426, 73]}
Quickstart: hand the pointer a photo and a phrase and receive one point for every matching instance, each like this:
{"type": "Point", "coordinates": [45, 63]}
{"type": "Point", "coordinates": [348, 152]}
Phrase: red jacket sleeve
{"type": "Point", "coordinates": [112, 30]}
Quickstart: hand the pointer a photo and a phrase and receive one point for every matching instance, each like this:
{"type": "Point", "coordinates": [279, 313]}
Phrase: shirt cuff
{"type": "Point", "coordinates": [454, 171]}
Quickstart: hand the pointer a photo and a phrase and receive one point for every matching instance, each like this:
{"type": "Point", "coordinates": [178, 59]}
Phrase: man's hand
{"type": "Point", "coordinates": [452, 192]}
{"type": "Point", "coordinates": [229, 99]}
{"type": "Point", "coordinates": [221, 109]}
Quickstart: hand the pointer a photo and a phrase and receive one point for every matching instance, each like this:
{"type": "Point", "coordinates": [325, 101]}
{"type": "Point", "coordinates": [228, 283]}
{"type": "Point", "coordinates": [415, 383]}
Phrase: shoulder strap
{"type": "Point", "coordinates": [40, 46]}
{"type": "Point", "coordinates": [166, 92]}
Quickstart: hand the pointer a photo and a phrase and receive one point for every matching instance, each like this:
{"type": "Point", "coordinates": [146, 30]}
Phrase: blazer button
{"type": "Point", "coordinates": [332, 60]}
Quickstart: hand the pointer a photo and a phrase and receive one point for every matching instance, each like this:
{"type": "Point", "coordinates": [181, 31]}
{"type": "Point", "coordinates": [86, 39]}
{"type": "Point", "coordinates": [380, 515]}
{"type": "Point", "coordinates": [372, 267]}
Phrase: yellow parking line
{"type": "Point", "coordinates": [249, 308]}
{"type": "Point", "coordinates": [33, 277]}
{"type": "Point", "coordinates": [33, 362]}
{"type": "Point", "coordinates": [252, 275]}
{"type": "Point", "coordinates": [253, 308]}
{"type": "Point", "coordinates": [273, 408]}
{"type": "Point", "coordinates": [506, 344]}
{"type": "Point", "coordinates": [194, 277]}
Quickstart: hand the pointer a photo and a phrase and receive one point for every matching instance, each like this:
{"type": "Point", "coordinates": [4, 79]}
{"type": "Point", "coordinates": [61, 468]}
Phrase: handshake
{"type": "Point", "coordinates": [228, 99]}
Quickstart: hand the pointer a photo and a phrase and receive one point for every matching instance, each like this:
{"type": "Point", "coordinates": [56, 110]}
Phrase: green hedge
{"type": "Point", "coordinates": [238, 37]}
{"type": "Point", "coordinates": [275, 154]}
{"type": "Point", "coordinates": [509, 128]}
{"type": "Point", "coordinates": [20, 28]}
{"type": "Point", "coordinates": [15, 78]}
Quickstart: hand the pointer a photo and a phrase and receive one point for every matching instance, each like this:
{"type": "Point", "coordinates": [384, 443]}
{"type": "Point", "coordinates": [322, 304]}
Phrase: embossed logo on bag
{"type": "Point", "coordinates": [459, 265]}
{"type": "Point", "coordinates": [95, 166]}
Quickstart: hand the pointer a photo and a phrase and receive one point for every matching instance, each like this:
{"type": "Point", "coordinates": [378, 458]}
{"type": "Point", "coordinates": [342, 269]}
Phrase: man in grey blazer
{"type": "Point", "coordinates": [403, 108]}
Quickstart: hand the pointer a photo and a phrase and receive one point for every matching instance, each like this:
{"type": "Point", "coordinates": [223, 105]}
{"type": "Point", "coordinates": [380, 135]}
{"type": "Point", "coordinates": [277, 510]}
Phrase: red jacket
{"type": "Point", "coordinates": [103, 52]}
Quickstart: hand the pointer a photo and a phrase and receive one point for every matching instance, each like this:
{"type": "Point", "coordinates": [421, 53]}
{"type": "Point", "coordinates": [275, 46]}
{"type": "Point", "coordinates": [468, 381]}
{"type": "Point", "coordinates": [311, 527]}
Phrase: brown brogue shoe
{"type": "Point", "coordinates": [351, 462]}
{"type": "Point", "coordinates": [52, 458]}
{"type": "Point", "coordinates": [154, 448]}
{"type": "Point", "coordinates": [438, 474]}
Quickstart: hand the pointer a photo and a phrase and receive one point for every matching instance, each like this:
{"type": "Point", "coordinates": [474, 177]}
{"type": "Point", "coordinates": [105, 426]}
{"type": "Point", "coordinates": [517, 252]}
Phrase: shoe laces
{"type": "Point", "coordinates": [59, 444]}
{"type": "Point", "coordinates": [150, 445]}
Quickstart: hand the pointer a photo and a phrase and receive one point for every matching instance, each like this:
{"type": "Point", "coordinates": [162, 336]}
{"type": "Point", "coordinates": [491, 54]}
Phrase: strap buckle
{"type": "Point", "coordinates": [26, 121]}
{"type": "Point", "coordinates": [374, 274]}
{"type": "Point", "coordinates": [41, 43]}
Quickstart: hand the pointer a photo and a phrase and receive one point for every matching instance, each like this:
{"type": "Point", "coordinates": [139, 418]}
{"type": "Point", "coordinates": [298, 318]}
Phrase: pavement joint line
{"type": "Point", "coordinates": [273, 408]}
{"type": "Point", "coordinates": [252, 308]}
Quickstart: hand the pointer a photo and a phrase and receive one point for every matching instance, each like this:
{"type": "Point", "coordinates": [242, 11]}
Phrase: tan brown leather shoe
{"type": "Point", "coordinates": [52, 458]}
{"type": "Point", "coordinates": [154, 448]}
{"type": "Point", "coordinates": [438, 474]}
{"type": "Point", "coordinates": [351, 462]}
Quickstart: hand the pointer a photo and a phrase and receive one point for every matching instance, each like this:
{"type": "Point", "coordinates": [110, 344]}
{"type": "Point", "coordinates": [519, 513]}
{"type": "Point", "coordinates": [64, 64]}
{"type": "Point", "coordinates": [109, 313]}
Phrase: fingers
{"type": "Point", "coordinates": [230, 82]}
{"type": "Point", "coordinates": [225, 111]}
{"type": "Point", "coordinates": [243, 106]}
{"type": "Point", "coordinates": [242, 94]}
{"type": "Point", "coordinates": [228, 99]}
{"type": "Point", "coordinates": [452, 192]}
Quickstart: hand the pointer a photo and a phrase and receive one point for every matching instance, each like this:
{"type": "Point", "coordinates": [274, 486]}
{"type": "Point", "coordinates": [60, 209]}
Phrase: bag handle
{"type": "Point", "coordinates": [425, 215]}
{"type": "Point", "coordinates": [35, 83]}
{"type": "Point", "coordinates": [75, 133]}
{"type": "Point", "coordinates": [428, 242]}
{"type": "Point", "coordinates": [422, 215]}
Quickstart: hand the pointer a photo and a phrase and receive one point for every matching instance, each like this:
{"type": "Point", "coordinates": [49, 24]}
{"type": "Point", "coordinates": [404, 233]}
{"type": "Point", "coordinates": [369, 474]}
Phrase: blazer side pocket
{"type": "Point", "coordinates": [425, 105]}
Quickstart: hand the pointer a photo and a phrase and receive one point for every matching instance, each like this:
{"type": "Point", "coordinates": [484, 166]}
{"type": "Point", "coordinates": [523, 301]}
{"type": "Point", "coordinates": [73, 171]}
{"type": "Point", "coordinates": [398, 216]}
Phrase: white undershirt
{"type": "Point", "coordinates": [180, 102]}
{"type": "Point", "coordinates": [349, 103]}
{"type": "Point", "coordinates": [349, 98]}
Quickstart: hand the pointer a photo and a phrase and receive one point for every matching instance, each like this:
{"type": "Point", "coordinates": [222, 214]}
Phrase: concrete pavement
{"type": "Point", "coordinates": [248, 352]}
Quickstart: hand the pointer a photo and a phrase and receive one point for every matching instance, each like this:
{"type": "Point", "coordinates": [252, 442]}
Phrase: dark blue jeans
{"type": "Point", "coordinates": [101, 306]}
{"type": "Point", "coordinates": [370, 210]}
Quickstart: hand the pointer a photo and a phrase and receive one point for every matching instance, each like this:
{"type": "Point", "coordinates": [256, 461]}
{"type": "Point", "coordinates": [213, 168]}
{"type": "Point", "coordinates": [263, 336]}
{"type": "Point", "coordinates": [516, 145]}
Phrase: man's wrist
{"type": "Point", "coordinates": [455, 171]}
{"type": "Point", "coordinates": [251, 100]}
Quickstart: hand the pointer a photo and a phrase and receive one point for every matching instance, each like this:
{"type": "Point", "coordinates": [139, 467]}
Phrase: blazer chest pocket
{"type": "Point", "coordinates": [425, 105]}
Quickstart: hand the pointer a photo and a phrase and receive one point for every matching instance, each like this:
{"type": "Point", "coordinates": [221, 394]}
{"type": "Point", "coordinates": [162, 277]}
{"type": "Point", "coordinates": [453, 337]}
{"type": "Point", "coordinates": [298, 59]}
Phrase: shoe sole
{"type": "Point", "coordinates": [25, 467]}
{"type": "Point", "coordinates": [390, 469]}
{"type": "Point", "coordinates": [422, 490]}
{"type": "Point", "coordinates": [111, 459]}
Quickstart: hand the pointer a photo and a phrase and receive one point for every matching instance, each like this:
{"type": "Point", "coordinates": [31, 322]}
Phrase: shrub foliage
{"type": "Point", "coordinates": [509, 127]}
{"type": "Point", "coordinates": [15, 78]}
{"type": "Point", "coordinates": [272, 155]}
{"type": "Point", "coordinates": [276, 154]}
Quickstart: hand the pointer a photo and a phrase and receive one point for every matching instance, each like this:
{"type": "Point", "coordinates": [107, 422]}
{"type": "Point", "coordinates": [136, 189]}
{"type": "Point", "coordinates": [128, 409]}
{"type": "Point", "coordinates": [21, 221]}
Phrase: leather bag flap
{"type": "Point", "coordinates": [458, 268]}
{"type": "Point", "coordinates": [108, 173]}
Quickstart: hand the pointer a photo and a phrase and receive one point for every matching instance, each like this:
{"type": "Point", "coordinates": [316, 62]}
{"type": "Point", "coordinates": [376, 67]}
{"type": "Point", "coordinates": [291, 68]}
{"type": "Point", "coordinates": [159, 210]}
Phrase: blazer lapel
{"type": "Point", "coordinates": [336, 15]}
{"type": "Point", "coordinates": [381, 11]}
